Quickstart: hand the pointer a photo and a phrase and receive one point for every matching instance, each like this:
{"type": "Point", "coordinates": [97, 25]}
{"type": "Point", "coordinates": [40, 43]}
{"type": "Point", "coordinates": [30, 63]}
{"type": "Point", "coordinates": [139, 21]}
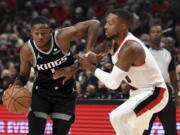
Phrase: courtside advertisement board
{"type": "Point", "coordinates": [90, 120]}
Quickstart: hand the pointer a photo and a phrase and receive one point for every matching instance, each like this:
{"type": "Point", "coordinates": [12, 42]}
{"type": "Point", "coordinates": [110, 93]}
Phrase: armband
{"type": "Point", "coordinates": [111, 80]}
{"type": "Point", "coordinates": [22, 79]}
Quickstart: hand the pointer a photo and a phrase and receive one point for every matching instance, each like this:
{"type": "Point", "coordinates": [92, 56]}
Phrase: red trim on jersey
{"type": "Point", "coordinates": [136, 65]}
{"type": "Point", "coordinates": [153, 103]}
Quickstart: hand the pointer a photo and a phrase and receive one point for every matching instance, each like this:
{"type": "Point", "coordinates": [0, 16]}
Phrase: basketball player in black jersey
{"type": "Point", "coordinates": [46, 51]}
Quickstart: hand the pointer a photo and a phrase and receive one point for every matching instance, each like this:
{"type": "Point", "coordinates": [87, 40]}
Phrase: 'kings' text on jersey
{"type": "Point", "coordinates": [51, 64]}
{"type": "Point", "coordinates": [46, 62]}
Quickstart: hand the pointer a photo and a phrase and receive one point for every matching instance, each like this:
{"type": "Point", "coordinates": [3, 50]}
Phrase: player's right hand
{"type": "Point", "coordinates": [93, 58]}
{"type": "Point", "coordinates": [66, 73]}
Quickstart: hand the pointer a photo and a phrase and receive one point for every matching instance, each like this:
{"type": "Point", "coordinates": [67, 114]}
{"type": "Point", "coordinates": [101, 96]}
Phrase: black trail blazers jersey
{"type": "Point", "coordinates": [46, 62]}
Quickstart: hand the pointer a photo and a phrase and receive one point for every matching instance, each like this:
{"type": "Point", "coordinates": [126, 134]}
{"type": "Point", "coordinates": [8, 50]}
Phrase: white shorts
{"type": "Point", "coordinates": [141, 105]}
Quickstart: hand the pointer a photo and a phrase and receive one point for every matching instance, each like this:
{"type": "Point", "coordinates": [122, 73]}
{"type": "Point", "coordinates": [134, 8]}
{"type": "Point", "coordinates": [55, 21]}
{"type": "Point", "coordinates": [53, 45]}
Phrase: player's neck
{"type": "Point", "coordinates": [155, 46]}
{"type": "Point", "coordinates": [119, 39]}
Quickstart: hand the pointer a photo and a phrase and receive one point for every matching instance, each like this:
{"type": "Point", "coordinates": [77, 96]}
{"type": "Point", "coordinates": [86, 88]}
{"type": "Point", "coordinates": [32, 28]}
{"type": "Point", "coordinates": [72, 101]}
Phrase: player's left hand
{"type": "Point", "coordinates": [66, 72]}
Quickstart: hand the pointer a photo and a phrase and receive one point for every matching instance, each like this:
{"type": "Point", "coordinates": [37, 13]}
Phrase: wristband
{"type": "Point", "coordinates": [22, 79]}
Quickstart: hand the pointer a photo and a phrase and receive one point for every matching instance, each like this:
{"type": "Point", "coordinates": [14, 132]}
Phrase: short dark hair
{"type": "Point", "coordinates": [154, 25]}
{"type": "Point", "coordinates": [40, 20]}
{"type": "Point", "coordinates": [123, 13]}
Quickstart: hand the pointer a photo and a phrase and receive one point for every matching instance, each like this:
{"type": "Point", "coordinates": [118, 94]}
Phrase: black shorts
{"type": "Point", "coordinates": [46, 104]}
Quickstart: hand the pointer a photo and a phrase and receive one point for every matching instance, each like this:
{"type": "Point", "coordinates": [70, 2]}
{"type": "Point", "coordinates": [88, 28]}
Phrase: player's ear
{"type": "Point", "coordinates": [123, 27]}
{"type": "Point", "coordinates": [31, 32]}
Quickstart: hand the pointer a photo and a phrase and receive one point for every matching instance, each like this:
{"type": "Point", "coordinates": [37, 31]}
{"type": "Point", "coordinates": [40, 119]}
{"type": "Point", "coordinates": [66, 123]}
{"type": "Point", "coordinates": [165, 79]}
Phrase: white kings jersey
{"type": "Point", "coordinates": [141, 76]}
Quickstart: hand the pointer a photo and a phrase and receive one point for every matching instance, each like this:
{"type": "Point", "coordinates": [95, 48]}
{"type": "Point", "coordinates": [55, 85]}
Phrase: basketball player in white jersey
{"type": "Point", "coordinates": [133, 63]}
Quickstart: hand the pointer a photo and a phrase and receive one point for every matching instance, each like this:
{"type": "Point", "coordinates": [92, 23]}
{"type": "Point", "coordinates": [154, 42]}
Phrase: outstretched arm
{"type": "Point", "coordinates": [87, 28]}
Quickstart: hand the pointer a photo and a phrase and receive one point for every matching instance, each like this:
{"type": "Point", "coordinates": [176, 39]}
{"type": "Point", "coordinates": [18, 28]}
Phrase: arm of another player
{"type": "Point", "coordinates": [87, 28]}
{"type": "Point", "coordinates": [99, 51]}
{"type": "Point", "coordinates": [131, 53]}
{"type": "Point", "coordinates": [93, 57]}
{"type": "Point", "coordinates": [66, 35]}
{"type": "Point", "coordinates": [25, 66]}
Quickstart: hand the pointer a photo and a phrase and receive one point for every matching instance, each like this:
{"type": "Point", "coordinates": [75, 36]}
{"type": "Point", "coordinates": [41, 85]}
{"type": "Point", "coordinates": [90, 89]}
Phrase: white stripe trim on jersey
{"type": "Point", "coordinates": [32, 50]}
{"type": "Point", "coordinates": [50, 50]}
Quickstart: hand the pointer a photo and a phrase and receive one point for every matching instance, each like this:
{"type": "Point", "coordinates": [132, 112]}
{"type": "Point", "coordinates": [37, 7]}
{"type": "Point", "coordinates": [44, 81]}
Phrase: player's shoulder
{"type": "Point", "coordinates": [133, 46]}
{"type": "Point", "coordinates": [25, 49]}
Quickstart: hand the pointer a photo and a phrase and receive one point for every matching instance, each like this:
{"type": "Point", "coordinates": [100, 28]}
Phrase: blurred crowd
{"type": "Point", "coordinates": [16, 15]}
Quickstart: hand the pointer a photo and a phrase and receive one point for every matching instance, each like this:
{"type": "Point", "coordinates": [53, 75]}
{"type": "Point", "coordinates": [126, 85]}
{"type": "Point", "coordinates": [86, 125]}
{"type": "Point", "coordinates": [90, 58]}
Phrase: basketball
{"type": "Point", "coordinates": [17, 100]}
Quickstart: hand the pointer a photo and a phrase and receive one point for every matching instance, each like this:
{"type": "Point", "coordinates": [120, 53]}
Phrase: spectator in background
{"type": "Point", "coordinates": [145, 39]}
{"type": "Point", "coordinates": [124, 87]}
{"type": "Point", "coordinates": [79, 15]}
{"type": "Point", "coordinates": [160, 7]}
{"type": "Point", "coordinates": [102, 91]}
{"type": "Point", "coordinates": [178, 72]}
{"type": "Point", "coordinates": [175, 10]}
{"type": "Point", "coordinates": [60, 12]}
{"type": "Point", "coordinates": [144, 22]}
{"type": "Point", "coordinates": [169, 44]}
{"type": "Point", "coordinates": [90, 92]}
{"type": "Point", "coordinates": [178, 75]}
{"type": "Point", "coordinates": [91, 79]}
{"type": "Point", "coordinates": [79, 91]}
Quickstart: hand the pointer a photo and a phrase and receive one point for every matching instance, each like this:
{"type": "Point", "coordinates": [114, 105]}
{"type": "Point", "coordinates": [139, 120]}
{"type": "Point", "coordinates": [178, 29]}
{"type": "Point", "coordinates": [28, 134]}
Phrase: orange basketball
{"type": "Point", "coordinates": [17, 100]}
